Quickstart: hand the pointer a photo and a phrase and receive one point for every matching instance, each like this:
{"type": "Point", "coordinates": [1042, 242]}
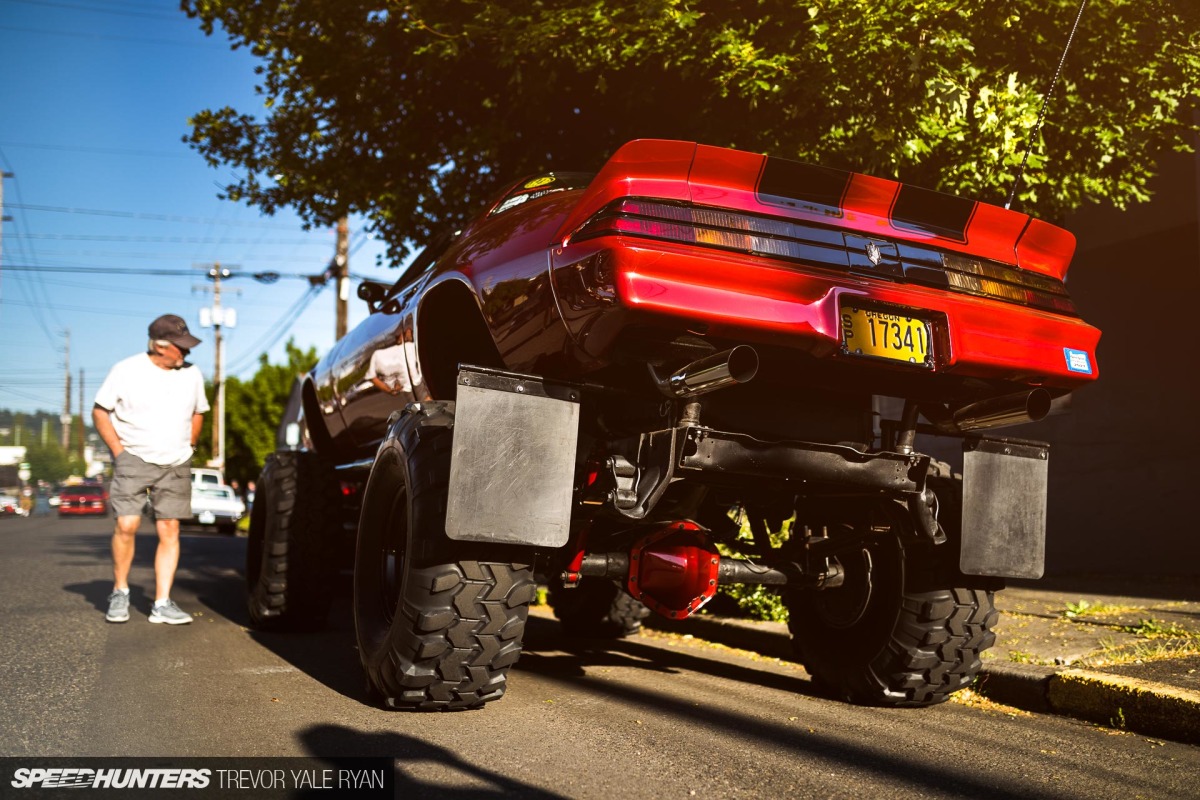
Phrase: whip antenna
{"type": "Point", "coordinates": [1045, 103]}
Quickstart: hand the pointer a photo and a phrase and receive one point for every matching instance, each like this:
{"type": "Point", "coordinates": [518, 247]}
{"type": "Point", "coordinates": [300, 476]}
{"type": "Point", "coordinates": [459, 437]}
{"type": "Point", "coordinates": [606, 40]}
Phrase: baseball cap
{"type": "Point", "coordinates": [173, 329]}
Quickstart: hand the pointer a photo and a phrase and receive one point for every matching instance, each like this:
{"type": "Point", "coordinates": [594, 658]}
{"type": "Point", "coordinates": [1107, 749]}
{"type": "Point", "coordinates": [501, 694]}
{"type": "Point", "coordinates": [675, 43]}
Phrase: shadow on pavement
{"type": "Point", "coordinates": [210, 569]}
{"type": "Point", "coordinates": [550, 654]}
{"type": "Point", "coordinates": [328, 742]}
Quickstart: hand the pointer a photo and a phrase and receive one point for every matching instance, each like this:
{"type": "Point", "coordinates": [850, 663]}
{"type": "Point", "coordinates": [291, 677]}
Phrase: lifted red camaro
{"type": "Point", "coordinates": [699, 366]}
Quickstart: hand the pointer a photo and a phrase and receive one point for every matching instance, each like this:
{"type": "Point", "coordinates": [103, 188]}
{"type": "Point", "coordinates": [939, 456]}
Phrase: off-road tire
{"type": "Point", "coordinates": [438, 622]}
{"type": "Point", "coordinates": [911, 636]}
{"type": "Point", "coordinates": [597, 609]}
{"type": "Point", "coordinates": [291, 552]}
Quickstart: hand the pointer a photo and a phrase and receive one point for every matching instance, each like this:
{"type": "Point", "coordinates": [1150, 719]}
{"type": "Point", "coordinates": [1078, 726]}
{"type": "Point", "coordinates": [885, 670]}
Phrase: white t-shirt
{"type": "Point", "coordinates": [152, 408]}
{"type": "Point", "coordinates": [390, 365]}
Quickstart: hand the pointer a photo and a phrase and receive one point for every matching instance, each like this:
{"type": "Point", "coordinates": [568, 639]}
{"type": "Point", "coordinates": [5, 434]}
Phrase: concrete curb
{"type": "Point", "coordinates": [1138, 706]}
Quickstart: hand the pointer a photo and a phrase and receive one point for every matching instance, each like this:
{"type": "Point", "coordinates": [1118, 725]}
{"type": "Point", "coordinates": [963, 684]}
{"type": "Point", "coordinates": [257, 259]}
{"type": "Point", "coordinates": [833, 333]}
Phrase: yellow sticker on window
{"type": "Point", "coordinates": [545, 180]}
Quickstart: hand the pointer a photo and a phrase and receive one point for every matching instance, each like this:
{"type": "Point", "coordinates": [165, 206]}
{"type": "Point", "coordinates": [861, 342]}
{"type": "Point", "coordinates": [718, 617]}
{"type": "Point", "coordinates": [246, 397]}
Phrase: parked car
{"type": "Point", "coordinates": [84, 498]}
{"type": "Point", "coordinates": [216, 506]}
{"type": "Point", "coordinates": [208, 477]}
{"type": "Point", "coordinates": [601, 377]}
{"type": "Point", "coordinates": [10, 506]}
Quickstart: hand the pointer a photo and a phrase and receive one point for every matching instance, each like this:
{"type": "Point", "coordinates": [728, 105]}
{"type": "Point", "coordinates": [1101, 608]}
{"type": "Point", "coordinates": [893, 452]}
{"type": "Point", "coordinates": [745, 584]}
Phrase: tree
{"type": "Point", "coordinates": [413, 113]}
{"type": "Point", "coordinates": [253, 410]}
{"type": "Point", "coordinates": [49, 462]}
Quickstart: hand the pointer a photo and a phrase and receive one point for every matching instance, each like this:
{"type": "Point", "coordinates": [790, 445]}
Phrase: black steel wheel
{"type": "Point", "coordinates": [904, 629]}
{"type": "Point", "coordinates": [597, 608]}
{"type": "Point", "coordinates": [439, 623]}
{"type": "Point", "coordinates": [291, 551]}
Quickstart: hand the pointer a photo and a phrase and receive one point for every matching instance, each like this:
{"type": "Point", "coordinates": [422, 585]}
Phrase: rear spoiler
{"type": "Point", "coordinates": [874, 207]}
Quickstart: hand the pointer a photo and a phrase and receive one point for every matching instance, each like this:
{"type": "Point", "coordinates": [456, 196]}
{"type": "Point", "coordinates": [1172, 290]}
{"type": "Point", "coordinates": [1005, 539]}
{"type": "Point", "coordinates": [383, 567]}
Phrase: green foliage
{"type": "Point", "coordinates": [253, 410]}
{"type": "Point", "coordinates": [757, 601]}
{"type": "Point", "coordinates": [1078, 609]}
{"type": "Point", "coordinates": [49, 462]}
{"type": "Point", "coordinates": [414, 113]}
{"type": "Point", "coordinates": [1155, 629]}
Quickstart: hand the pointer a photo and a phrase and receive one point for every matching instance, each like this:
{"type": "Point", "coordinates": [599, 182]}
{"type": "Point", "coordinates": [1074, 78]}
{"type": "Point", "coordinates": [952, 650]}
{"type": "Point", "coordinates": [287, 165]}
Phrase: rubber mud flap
{"type": "Point", "coordinates": [513, 467]}
{"type": "Point", "coordinates": [1004, 508]}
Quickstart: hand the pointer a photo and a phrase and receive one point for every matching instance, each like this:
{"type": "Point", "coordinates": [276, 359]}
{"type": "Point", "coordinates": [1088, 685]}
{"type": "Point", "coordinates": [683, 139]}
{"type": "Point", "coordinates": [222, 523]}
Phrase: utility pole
{"type": "Point", "coordinates": [218, 317]}
{"type": "Point", "coordinates": [341, 263]}
{"type": "Point", "coordinates": [82, 427]}
{"type": "Point", "coordinates": [3, 218]}
{"type": "Point", "coordinates": [65, 419]}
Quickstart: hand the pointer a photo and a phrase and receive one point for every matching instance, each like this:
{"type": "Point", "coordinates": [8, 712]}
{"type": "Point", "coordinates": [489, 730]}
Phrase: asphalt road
{"type": "Point", "coordinates": [655, 716]}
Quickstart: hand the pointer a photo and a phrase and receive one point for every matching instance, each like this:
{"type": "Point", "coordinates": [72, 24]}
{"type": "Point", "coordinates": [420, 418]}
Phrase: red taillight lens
{"type": "Point", "coordinates": [823, 247]}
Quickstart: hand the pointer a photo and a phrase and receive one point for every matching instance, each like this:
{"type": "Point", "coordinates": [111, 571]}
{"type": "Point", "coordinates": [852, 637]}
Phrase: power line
{"type": "Point", "coordinates": [152, 217]}
{"type": "Point", "coordinates": [83, 310]}
{"type": "Point", "coordinates": [87, 237]}
{"type": "Point", "coordinates": [43, 303]}
{"type": "Point", "coordinates": [25, 395]}
{"type": "Point", "coordinates": [285, 323]}
{"type": "Point", "coordinates": [125, 254]}
{"type": "Point", "coordinates": [268, 276]}
{"type": "Point", "coordinates": [111, 151]}
{"type": "Point", "coordinates": [95, 10]}
{"type": "Point", "coordinates": [135, 39]}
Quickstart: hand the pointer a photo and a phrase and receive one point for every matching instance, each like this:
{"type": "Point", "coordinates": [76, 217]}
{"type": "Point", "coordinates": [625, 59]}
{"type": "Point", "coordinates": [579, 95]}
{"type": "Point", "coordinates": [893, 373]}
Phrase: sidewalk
{"type": "Point", "coordinates": [1121, 652]}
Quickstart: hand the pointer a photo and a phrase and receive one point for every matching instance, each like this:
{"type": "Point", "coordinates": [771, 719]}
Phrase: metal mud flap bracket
{"type": "Point", "coordinates": [1004, 508]}
{"type": "Point", "coordinates": [512, 466]}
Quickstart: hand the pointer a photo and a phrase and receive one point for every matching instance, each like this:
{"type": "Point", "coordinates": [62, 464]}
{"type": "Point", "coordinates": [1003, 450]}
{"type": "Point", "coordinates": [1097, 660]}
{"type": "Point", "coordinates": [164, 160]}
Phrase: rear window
{"type": "Point", "coordinates": [218, 492]}
{"type": "Point", "coordinates": [540, 186]}
{"type": "Point", "coordinates": [75, 491]}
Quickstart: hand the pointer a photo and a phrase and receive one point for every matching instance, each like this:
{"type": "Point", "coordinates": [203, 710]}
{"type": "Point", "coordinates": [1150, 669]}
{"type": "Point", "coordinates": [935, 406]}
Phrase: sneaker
{"type": "Point", "coordinates": [118, 607]}
{"type": "Point", "coordinates": [170, 613]}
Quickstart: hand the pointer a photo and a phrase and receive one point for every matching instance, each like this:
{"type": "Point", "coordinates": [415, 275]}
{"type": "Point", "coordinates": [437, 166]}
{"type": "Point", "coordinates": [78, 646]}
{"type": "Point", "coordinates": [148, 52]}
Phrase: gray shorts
{"type": "Point", "coordinates": [170, 488]}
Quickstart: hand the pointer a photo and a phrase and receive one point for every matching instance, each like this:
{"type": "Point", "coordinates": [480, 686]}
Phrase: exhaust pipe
{"type": "Point", "coordinates": [996, 412]}
{"type": "Point", "coordinates": [738, 365]}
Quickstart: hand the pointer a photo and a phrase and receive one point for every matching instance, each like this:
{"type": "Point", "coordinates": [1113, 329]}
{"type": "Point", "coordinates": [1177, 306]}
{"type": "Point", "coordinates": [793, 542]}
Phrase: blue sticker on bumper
{"type": "Point", "coordinates": [1078, 360]}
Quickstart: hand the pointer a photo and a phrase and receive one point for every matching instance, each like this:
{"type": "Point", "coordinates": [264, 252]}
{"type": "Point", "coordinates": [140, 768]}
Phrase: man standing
{"type": "Point", "coordinates": [149, 411]}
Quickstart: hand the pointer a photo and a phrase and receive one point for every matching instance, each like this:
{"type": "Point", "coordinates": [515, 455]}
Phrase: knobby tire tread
{"type": "Point", "coordinates": [937, 623]}
{"type": "Point", "coordinates": [461, 618]}
{"type": "Point", "coordinates": [292, 548]}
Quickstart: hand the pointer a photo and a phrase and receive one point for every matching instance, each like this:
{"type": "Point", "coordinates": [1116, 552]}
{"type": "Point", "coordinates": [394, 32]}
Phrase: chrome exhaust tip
{"type": "Point", "coordinates": [997, 412]}
{"type": "Point", "coordinates": [727, 368]}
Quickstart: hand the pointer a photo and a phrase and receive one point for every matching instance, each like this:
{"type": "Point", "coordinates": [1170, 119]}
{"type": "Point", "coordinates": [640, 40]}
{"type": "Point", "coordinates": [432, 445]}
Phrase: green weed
{"type": "Point", "coordinates": [1086, 608]}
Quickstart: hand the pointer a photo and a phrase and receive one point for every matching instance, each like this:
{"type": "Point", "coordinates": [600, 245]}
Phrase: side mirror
{"type": "Point", "coordinates": [376, 296]}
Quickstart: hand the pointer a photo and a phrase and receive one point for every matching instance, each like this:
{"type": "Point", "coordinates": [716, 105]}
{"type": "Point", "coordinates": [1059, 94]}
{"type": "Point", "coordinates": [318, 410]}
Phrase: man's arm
{"type": "Point", "coordinates": [197, 421]}
{"type": "Point", "coordinates": [382, 386]}
{"type": "Point", "coordinates": [102, 419]}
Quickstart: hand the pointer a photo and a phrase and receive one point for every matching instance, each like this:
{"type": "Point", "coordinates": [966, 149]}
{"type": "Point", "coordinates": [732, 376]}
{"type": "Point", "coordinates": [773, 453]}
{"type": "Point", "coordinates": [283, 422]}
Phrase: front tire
{"type": "Point", "coordinates": [292, 546]}
{"type": "Point", "coordinates": [438, 622]}
{"type": "Point", "coordinates": [905, 629]}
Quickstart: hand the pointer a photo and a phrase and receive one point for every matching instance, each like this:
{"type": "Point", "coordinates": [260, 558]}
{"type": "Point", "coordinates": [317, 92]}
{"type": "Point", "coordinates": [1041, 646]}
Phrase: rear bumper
{"type": "Point", "coordinates": [751, 298]}
{"type": "Point", "coordinates": [64, 511]}
{"type": "Point", "coordinates": [216, 518]}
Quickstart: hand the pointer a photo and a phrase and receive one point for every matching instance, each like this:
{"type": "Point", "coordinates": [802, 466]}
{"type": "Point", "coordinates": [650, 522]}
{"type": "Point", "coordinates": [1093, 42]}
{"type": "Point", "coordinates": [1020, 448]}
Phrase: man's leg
{"type": "Point", "coordinates": [124, 535]}
{"type": "Point", "coordinates": [166, 559]}
{"type": "Point", "coordinates": [122, 550]}
{"type": "Point", "coordinates": [172, 502]}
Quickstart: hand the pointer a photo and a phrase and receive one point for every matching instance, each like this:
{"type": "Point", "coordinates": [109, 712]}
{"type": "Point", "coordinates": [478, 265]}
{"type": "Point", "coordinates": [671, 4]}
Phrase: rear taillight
{"type": "Point", "coordinates": [989, 279]}
{"type": "Point", "coordinates": [826, 248]}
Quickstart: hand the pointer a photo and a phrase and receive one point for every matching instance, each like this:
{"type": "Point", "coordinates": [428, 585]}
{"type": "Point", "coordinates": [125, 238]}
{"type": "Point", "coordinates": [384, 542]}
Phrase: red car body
{"type": "Point", "coordinates": [600, 378]}
{"type": "Point", "coordinates": [82, 499]}
{"type": "Point", "coordinates": [563, 277]}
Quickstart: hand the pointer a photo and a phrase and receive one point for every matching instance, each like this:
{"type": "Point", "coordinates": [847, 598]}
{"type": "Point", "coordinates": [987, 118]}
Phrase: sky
{"type": "Point", "coordinates": [104, 196]}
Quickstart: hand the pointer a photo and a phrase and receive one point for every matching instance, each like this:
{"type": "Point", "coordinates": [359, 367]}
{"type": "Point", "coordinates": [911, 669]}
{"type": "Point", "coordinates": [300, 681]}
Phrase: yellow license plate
{"type": "Point", "coordinates": [887, 334]}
